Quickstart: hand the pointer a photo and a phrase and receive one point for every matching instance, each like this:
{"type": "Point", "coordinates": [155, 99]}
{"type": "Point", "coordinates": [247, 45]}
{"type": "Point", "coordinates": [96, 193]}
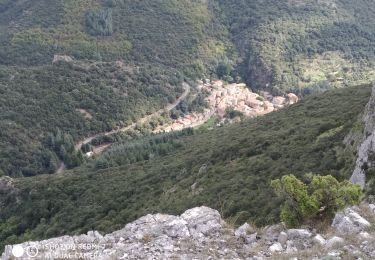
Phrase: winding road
{"type": "Point", "coordinates": [133, 125]}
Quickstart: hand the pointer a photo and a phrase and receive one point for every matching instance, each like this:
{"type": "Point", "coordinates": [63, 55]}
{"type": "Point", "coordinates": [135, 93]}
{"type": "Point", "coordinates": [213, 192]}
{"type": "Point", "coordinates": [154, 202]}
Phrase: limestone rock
{"type": "Point", "coordinates": [283, 237]}
{"type": "Point", "coordinates": [277, 247]}
{"type": "Point", "coordinates": [202, 221]}
{"type": "Point", "coordinates": [290, 247]}
{"type": "Point", "coordinates": [65, 58]}
{"type": "Point", "coordinates": [271, 233]}
{"type": "Point", "coordinates": [372, 208]}
{"type": "Point", "coordinates": [368, 145]}
{"type": "Point", "coordinates": [365, 236]}
{"type": "Point", "coordinates": [349, 221]}
{"type": "Point", "coordinates": [251, 238]}
{"type": "Point", "coordinates": [334, 242]}
{"type": "Point", "coordinates": [242, 230]}
{"type": "Point", "coordinates": [318, 239]}
{"type": "Point", "coordinates": [298, 233]}
{"type": "Point", "coordinates": [199, 233]}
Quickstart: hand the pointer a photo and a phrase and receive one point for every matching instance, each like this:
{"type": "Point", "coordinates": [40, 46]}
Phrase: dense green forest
{"type": "Point", "coordinates": [177, 33]}
{"type": "Point", "coordinates": [110, 95]}
{"type": "Point", "coordinates": [228, 168]}
{"type": "Point", "coordinates": [128, 58]}
{"type": "Point", "coordinates": [305, 45]}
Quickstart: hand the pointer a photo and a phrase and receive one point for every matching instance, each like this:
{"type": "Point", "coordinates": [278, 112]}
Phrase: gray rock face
{"type": "Point", "coordinates": [200, 233]}
{"type": "Point", "coordinates": [365, 236]}
{"type": "Point", "coordinates": [299, 233]}
{"type": "Point", "coordinates": [271, 233]}
{"type": "Point", "coordinates": [334, 242]}
{"type": "Point", "coordinates": [372, 208]}
{"type": "Point", "coordinates": [368, 145]}
{"type": "Point", "coordinates": [243, 233]}
{"type": "Point", "coordinates": [156, 236]}
{"type": "Point", "coordinates": [203, 221]}
{"type": "Point", "coordinates": [349, 221]}
{"type": "Point", "coordinates": [277, 247]}
{"type": "Point", "coordinates": [58, 58]}
{"type": "Point", "coordinates": [318, 239]}
{"type": "Point", "coordinates": [283, 237]}
{"type": "Point", "coordinates": [242, 230]}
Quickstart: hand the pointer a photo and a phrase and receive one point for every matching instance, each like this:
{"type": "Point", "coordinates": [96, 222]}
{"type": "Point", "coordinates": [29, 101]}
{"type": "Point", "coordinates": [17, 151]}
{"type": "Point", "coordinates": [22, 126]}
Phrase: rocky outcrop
{"type": "Point", "coordinates": [349, 221]}
{"type": "Point", "coordinates": [367, 148]}
{"type": "Point", "coordinates": [59, 58]}
{"type": "Point", "coordinates": [201, 233]}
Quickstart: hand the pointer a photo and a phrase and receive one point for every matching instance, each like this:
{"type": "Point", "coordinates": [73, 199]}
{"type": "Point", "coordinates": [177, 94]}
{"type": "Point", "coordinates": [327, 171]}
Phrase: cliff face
{"type": "Point", "coordinates": [201, 233]}
{"type": "Point", "coordinates": [367, 147]}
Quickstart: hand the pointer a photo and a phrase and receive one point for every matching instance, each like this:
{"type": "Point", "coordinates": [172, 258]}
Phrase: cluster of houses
{"type": "Point", "coordinates": [231, 96]}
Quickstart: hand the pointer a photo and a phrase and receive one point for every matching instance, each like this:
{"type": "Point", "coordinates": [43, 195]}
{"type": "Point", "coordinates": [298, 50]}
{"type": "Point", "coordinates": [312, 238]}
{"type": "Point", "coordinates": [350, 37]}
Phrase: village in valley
{"type": "Point", "coordinates": [223, 97]}
{"type": "Point", "coordinates": [220, 98]}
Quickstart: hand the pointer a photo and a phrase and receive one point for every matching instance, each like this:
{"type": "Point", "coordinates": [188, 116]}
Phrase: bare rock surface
{"type": "Point", "coordinates": [349, 221]}
{"type": "Point", "coordinates": [64, 58]}
{"type": "Point", "coordinates": [367, 147]}
{"type": "Point", "coordinates": [201, 233]}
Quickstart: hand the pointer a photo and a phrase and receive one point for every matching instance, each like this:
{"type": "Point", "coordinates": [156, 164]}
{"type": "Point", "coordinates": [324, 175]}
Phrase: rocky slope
{"type": "Point", "coordinates": [367, 147]}
{"type": "Point", "coordinates": [200, 233]}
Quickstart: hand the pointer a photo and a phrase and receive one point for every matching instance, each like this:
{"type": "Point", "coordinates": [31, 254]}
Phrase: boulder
{"type": "Point", "coordinates": [283, 237]}
{"type": "Point", "coordinates": [365, 236]}
{"type": "Point", "coordinates": [319, 240]}
{"type": "Point", "coordinates": [242, 230]}
{"type": "Point", "coordinates": [271, 233]}
{"type": "Point", "coordinates": [334, 242]}
{"type": "Point", "coordinates": [290, 247]}
{"type": "Point", "coordinates": [203, 221]}
{"type": "Point", "coordinates": [64, 58]}
{"type": "Point", "coordinates": [249, 239]}
{"type": "Point", "coordinates": [298, 233]}
{"type": "Point", "coordinates": [95, 235]}
{"type": "Point", "coordinates": [154, 226]}
{"type": "Point", "coordinates": [372, 208]}
{"type": "Point", "coordinates": [349, 221]}
{"type": "Point", "coordinates": [277, 247]}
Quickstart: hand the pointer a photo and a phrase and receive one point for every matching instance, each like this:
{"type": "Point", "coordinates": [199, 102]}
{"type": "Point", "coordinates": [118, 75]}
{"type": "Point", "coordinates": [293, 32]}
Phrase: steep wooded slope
{"type": "Point", "coordinates": [228, 168]}
{"type": "Point", "coordinates": [303, 45]}
{"type": "Point", "coordinates": [128, 60]}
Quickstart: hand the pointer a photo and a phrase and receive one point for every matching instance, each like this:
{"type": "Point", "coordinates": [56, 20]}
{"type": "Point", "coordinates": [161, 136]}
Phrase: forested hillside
{"type": "Point", "coordinates": [120, 60]}
{"type": "Point", "coordinates": [303, 45]}
{"type": "Point", "coordinates": [228, 168]}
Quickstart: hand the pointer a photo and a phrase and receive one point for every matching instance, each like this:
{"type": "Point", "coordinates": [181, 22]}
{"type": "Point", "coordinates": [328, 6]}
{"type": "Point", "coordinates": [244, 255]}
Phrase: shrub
{"type": "Point", "coordinates": [231, 113]}
{"type": "Point", "coordinates": [320, 198]}
{"type": "Point", "coordinates": [99, 23]}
